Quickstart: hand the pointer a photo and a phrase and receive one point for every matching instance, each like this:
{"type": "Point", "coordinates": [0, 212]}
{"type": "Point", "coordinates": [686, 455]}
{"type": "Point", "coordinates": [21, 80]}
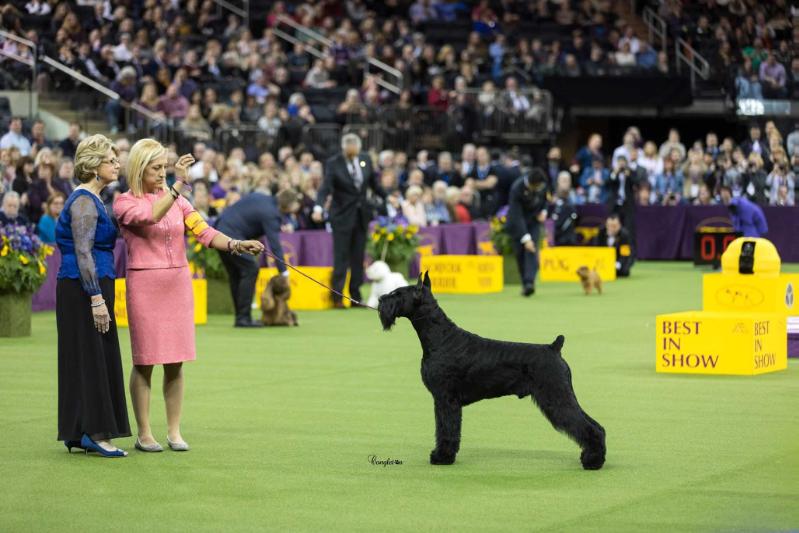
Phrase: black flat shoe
{"type": "Point", "coordinates": [248, 324]}
{"type": "Point", "coordinates": [528, 291]}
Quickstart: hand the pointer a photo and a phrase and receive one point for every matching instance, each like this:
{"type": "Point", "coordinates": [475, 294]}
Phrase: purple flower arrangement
{"type": "Point", "coordinates": [23, 256]}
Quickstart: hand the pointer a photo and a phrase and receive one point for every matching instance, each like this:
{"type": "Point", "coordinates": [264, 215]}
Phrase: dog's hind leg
{"type": "Point", "coordinates": [559, 404]}
{"type": "Point", "coordinates": [448, 431]}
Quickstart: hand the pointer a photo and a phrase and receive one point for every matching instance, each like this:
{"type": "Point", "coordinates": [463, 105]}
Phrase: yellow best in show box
{"type": "Point", "coordinates": [702, 342]}
{"type": "Point", "coordinates": [750, 293]}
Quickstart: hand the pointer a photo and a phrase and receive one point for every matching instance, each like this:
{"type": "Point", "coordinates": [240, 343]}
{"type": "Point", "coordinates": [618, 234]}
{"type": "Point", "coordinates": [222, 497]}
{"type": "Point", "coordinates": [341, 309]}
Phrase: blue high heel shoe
{"type": "Point", "coordinates": [72, 444]}
{"type": "Point", "coordinates": [90, 446]}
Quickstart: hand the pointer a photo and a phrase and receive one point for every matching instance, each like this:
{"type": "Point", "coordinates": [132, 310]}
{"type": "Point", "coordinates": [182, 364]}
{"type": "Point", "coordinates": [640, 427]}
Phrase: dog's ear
{"type": "Point", "coordinates": [426, 279]}
{"type": "Point", "coordinates": [419, 282]}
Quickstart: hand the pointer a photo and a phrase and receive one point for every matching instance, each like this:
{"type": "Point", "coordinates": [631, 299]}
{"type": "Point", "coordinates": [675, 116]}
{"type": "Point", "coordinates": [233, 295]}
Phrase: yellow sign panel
{"type": "Point", "coordinates": [701, 342]}
{"type": "Point", "coordinates": [305, 294]}
{"type": "Point", "coordinates": [200, 287]}
{"type": "Point", "coordinates": [464, 274]}
{"type": "Point", "coordinates": [750, 293]}
{"type": "Point", "coordinates": [560, 263]}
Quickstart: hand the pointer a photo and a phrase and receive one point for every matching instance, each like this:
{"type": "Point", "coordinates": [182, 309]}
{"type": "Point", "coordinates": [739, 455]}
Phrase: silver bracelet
{"type": "Point", "coordinates": [98, 304]}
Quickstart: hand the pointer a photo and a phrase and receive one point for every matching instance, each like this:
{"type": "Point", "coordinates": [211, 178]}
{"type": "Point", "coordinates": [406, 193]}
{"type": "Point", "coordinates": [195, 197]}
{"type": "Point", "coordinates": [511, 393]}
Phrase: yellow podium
{"type": "Point", "coordinates": [305, 294]}
{"type": "Point", "coordinates": [742, 328]}
{"type": "Point", "coordinates": [200, 287]}
{"type": "Point", "coordinates": [464, 274]}
{"type": "Point", "coordinates": [764, 290]}
{"type": "Point", "coordinates": [560, 263]}
{"type": "Point", "coordinates": [703, 342]}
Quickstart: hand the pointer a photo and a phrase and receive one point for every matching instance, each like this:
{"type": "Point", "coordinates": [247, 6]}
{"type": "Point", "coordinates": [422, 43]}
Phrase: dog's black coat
{"type": "Point", "coordinates": [460, 368]}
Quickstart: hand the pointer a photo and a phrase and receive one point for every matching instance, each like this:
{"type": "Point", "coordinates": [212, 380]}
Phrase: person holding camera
{"type": "Point", "coordinates": [564, 212]}
{"type": "Point", "coordinates": [622, 185]}
{"type": "Point", "coordinates": [527, 211]}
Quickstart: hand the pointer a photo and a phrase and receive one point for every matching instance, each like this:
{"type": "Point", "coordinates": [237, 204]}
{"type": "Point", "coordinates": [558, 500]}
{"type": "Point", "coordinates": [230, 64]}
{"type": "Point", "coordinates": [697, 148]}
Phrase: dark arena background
{"type": "Point", "coordinates": [504, 144]}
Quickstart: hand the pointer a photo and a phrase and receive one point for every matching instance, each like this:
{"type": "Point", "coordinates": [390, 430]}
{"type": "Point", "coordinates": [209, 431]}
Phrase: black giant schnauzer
{"type": "Point", "coordinates": [460, 368]}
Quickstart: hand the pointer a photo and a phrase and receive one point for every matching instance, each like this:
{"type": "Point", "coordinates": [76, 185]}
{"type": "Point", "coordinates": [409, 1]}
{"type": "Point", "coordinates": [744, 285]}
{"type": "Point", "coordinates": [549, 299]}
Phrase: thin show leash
{"type": "Point", "coordinates": [300, 272]}
{"type": "Point", "coordinates": [354, 301]}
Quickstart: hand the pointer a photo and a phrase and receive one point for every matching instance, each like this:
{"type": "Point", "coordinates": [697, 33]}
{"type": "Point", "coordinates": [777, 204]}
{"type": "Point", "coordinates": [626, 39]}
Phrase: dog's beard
{"type": "Point", "coordinates": [387, 311]}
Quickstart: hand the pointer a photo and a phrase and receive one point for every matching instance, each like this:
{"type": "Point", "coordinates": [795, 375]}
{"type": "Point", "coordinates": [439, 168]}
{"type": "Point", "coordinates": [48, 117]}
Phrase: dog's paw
{"type": "Point", "coordinates": [440, 458]}
{"type": "Point", "coordinates": [592, 459]}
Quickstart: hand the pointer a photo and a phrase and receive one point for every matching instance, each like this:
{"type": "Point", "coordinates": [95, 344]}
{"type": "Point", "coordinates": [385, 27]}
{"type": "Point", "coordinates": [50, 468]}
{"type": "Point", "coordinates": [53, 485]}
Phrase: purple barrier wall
{"type": "Point", "coordinates": [668, 232]}
{"type": "Point", "coordinates": [661, 233]}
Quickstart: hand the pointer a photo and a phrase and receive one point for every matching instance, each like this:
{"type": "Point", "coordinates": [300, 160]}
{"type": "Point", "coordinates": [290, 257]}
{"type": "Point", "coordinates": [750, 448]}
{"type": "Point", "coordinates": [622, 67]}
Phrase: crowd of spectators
{"type": "Point", "coordinates": [192, 66]}
{"type": "Point", "coordinates": [36, 175]}
{"type": "Point", "coordinates": [752, 47]}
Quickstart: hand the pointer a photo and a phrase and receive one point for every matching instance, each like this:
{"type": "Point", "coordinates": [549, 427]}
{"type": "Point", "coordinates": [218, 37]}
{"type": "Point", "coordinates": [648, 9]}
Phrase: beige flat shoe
{"type": "Point", "coordinates": [177, 446]}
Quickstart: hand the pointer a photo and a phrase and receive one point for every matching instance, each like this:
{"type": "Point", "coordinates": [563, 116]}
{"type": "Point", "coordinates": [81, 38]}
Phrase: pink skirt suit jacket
{"type": "Point", "coordinates": [160, 298]}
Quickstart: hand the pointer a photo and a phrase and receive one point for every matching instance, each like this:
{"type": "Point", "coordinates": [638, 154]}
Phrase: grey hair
{"type": "Point", "coordinates": [13, 195]}
{"type": "Point", "coordinates": [351, 138]}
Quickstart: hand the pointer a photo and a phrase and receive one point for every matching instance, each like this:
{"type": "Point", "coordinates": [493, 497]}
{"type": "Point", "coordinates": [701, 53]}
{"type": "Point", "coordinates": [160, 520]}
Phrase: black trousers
{"type": "Point", "coordinates": [528, 262]}
{"type": "Point", "coordinates": [349, 244]}
{"type": "Point", "coordinates": [242, 271]}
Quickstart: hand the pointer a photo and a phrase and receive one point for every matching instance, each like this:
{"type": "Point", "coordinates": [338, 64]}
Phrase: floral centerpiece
{"type": "Point", "coordinates": [503, 244]}
{"type": "Point", "coordinates": [205, 262]}
{"type": "Point", "coordinates": [23, 269]}
{"type": "Point", "coordinates": [500, 237]}
{"type": "Point", "coordinates": [393, 241]}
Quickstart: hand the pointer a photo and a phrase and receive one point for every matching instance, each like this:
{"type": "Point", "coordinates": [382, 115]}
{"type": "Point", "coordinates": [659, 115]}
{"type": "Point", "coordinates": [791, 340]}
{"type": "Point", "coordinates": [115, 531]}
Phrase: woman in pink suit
{"type": "Point", "coordinates": [160, 301]}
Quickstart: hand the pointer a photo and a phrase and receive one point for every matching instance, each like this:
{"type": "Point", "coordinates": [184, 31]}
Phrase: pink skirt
{"type": "Point", "coordinates": [161, 315]}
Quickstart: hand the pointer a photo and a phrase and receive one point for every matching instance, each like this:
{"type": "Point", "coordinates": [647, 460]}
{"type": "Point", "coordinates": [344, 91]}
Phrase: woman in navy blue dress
{"type": "Point", "coordinates": [91, 393]}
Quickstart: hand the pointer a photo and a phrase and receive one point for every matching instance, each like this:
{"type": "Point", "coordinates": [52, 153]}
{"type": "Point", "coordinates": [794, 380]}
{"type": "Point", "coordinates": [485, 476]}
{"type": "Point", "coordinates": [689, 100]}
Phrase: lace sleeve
{"type": "Point", "coordinates": [84, 225]}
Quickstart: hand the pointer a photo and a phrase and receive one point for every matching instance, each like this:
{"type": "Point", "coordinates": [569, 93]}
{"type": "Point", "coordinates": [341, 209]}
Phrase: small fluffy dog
{"type": "Point", "coordinates": [383, 281]}
{"type": "Point", "coordinates": [590, 280]}
{"type": "Point", "coordinates": [274, 303]}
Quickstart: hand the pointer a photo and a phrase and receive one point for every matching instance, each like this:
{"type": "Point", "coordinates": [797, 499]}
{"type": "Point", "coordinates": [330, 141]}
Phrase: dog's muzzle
{"type": "Point", "coordinates": [387, 309]}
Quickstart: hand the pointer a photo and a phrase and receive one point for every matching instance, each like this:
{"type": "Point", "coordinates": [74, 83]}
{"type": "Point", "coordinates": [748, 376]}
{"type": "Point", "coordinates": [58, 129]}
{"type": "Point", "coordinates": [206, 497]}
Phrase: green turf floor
{"type": "Point", "coordinates": [282, 423]}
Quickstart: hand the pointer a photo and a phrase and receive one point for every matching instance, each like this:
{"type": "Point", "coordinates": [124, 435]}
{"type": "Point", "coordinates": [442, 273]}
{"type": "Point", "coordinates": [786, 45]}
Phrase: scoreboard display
{"type": "Point", "coordinates": [710, 243]}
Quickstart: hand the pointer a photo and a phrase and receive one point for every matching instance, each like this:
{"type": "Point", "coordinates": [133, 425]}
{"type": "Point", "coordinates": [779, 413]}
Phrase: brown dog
{"type": "Point", "coordinates": [274, 303]}
{"type": "Point", "coordinates": [590, 280]}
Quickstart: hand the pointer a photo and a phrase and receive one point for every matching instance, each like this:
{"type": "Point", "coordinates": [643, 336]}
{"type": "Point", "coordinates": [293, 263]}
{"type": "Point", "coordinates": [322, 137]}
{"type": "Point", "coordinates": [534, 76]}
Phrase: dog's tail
{"type": "Point", "coordinates": [558, 344]}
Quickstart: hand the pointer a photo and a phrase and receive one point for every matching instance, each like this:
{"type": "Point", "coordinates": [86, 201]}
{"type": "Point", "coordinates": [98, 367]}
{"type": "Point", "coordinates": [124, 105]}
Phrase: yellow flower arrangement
{"type": "Point", "coordinates": [394, 243]}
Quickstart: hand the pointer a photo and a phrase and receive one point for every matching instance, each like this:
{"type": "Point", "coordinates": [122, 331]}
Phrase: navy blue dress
{"type": "Point", "coordinates": [91, 391]}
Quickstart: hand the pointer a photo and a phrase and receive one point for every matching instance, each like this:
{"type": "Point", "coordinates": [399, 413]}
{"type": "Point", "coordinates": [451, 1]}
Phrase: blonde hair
{"type": "Point", "coordinates": [144, 152]}
{"type": "Point", "coordinates": [90, 154]}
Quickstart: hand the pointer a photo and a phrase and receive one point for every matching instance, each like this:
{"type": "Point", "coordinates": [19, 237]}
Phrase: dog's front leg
{"type": "Point", "coordinates": [448, 431]}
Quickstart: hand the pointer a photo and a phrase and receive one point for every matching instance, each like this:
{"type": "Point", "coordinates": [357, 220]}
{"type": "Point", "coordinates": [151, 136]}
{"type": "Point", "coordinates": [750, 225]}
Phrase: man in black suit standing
{"type": "Point", "coordinates": [255, 215]}
{"type": "Point", "coordinates": [349, 179]}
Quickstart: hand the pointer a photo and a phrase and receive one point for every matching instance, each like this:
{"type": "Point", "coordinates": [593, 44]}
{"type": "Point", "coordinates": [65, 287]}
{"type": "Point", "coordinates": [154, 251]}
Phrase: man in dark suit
{"type": "Point", "coordinates": [614, 235]}
{"type": "Point", "coordinates": [255, 215]}
{"type": "Point", "coordinates": [527, 212]}
{"type": "Point", "coordinates": [349, 178]}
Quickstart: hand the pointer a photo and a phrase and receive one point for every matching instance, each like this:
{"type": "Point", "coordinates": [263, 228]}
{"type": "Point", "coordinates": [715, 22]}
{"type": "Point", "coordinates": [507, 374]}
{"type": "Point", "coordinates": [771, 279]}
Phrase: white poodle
{"type": "Point", "coordinates": [383, 281]}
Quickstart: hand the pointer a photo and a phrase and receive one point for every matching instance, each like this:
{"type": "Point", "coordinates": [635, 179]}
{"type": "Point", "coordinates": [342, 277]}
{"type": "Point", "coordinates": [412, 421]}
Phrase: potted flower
{"type": "Point", "coordinates": [503, 245]}
{"type": "Point", "coordinates": [395, 242]}
{"type": "Point", "coordinates": [206, 264]}
{"type": "Point", "coordinates": [22, 271]}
